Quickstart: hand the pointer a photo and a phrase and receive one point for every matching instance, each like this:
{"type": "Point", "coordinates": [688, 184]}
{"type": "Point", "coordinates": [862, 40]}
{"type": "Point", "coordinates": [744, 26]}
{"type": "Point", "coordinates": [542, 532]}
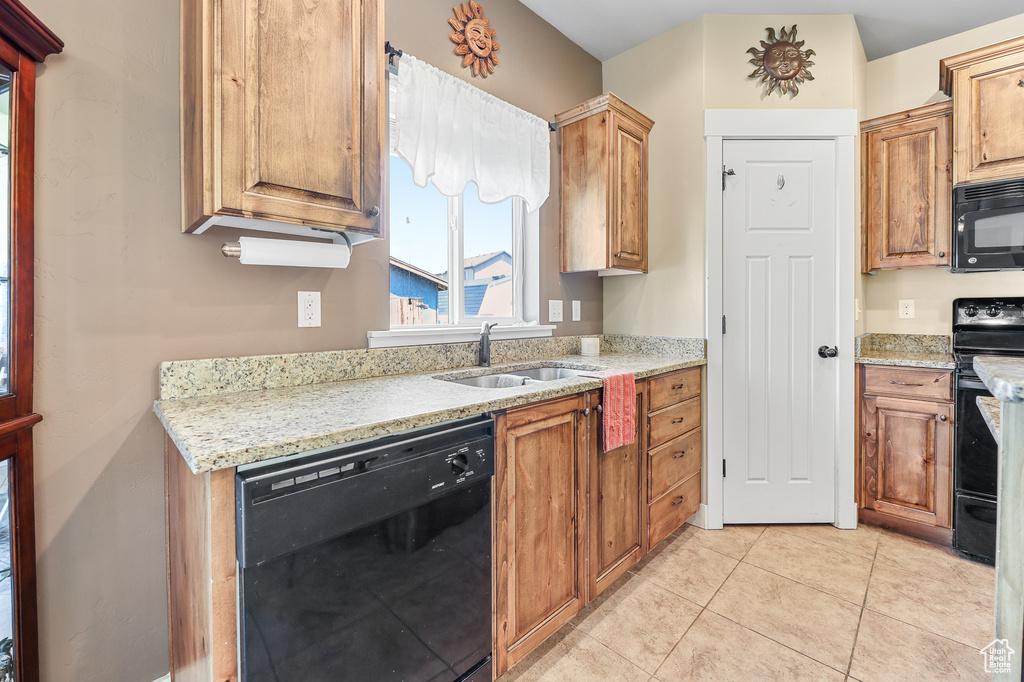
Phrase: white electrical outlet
{"type": "Point", "coordinates": [309, 308]}
{"type": "Point", "coordinates": [554, 311]}
{"type": "Point", "coordinates": [906, 308]}
{"type": "Point", "coordinates": [575, 311]}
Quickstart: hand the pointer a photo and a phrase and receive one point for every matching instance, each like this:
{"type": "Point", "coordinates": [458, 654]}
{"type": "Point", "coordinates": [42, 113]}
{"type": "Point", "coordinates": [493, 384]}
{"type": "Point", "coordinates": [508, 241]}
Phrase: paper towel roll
{"type": "Point", "coordinates": [590, 346]}
{"type": "Point", "coordinates": [256, 251]}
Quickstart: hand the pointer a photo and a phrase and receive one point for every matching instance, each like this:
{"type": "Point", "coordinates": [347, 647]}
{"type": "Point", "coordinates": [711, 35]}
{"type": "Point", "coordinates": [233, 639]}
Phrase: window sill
{"type": "Point", "coordinates": [424, 336]}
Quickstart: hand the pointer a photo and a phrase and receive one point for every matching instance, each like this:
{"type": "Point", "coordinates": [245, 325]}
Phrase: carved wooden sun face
{"type": "Point", "coordinates": [781, 63]}
{"type": "Point", "coordinates": [474, 38]}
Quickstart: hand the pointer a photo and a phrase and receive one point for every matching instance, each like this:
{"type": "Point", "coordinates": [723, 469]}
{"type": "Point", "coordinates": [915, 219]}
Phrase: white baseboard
{"type": "Point", "coordinates": [700, 517]}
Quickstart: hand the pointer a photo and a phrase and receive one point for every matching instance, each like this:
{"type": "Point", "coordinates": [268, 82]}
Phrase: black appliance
{"type": "Point", "coordinates": [371, 561]}
{"type": "Point", "coordinates": [981, 326]}
{"type": "Point", "coordinates": [988, 231]}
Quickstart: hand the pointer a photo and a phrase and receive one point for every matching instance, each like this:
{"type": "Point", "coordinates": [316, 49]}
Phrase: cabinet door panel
{"type": "Point", "coordinates": [907, 470]}
{"type": "Point", "coordinates": [907, 189]}
{"type": "Point", "coordinates": [542, 458]}
{"type": "Point", "coordinates": [618, 504]}
{"type": "Point", "coordinates": [301, 119]}
{"type": "Point", "coordinates": [628, 243]}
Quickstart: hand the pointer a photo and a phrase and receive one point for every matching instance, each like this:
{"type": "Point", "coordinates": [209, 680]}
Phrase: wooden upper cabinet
{"type": "Point", "coordinates": [603, 144]}
{"type": "Point", "coordinates": [987, 86]}
{"type": "Point", "coordinates": [906, 189]}
{"type": "Point", "coordinates": [283, 113]}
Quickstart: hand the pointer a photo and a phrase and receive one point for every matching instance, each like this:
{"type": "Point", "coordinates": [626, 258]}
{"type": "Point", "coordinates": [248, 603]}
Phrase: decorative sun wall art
{"type": "Point", "coordinates": [474, 38]}
{"type": "Point", "coordinates": [780, 62]}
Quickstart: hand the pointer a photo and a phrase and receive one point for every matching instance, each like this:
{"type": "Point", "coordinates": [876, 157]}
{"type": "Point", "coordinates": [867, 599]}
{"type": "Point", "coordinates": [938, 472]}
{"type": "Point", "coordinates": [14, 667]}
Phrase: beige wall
{"type": "Point", "coordinates": [673, 78]}
{"type": "Point", "coordinates": [903, 81]}
{"type": "Point", "coordinates": [119, 289]}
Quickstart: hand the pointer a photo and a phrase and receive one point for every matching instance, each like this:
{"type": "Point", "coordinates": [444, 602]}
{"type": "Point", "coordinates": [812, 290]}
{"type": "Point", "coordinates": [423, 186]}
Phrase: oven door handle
{"type": "Point", "coordinates": [971, 383]}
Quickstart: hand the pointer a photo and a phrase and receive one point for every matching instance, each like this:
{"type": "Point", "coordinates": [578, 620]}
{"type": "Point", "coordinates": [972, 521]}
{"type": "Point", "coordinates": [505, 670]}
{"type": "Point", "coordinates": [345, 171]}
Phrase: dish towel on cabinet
{"type": "Point", "coordinates": [618, 416]}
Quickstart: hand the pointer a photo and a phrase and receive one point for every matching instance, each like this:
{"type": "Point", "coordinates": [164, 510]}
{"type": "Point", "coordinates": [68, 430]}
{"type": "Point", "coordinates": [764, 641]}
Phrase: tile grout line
{"type": "Point", "coordinates": [863, 607]}
{"type": "Point", "coordinates": [704, 607]}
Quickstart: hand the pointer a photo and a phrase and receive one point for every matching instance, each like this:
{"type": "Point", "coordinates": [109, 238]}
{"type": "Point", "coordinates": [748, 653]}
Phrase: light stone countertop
{"type": "Point", "coordinates": [905, 350]}
{"type": "Point", "coordinates": [1003, 376]}
{"type": "Point", "coordinates": [908, 359]}
{"type": "Point", "coordinates": [231, 429]}
{"type": "Point", "coordinates": [992, 410]}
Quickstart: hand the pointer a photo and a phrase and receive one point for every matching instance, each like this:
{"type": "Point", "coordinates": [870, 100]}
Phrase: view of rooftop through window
{"type": "Point", "coordinates": [421, 254]}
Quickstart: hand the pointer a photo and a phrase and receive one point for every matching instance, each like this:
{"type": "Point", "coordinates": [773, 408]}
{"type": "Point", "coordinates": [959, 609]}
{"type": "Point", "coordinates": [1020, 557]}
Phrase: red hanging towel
{"type": "Point", "coordinates": [618, 416]}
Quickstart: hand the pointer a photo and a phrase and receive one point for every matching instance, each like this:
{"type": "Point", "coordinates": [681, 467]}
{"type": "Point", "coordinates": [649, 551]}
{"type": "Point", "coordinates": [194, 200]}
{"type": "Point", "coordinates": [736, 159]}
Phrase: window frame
{"type": "Point", "coordinates": [456, 263]}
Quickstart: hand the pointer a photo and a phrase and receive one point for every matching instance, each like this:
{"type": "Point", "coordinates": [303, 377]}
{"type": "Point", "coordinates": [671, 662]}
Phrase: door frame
{"type": "Point", "coordinates": [804, 124]}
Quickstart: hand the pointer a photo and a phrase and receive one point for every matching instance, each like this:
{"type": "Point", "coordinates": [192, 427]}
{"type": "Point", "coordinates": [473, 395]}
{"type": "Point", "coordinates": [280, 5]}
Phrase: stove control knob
{"type": "Point", "coordinates": [971, 311]}
{"type": "Point", "coordinates": [992, 311]}
{"type": "Point", "coordinates": [460, 464]}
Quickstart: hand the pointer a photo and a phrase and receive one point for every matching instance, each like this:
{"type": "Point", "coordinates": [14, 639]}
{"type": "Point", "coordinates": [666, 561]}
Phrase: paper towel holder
{"type": "Point", "coordinates": [287, 252]}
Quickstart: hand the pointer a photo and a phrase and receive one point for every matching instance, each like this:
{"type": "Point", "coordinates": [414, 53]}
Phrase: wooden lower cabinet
{"type": "Point", "coordinates": [906, 465]}
{"type": "Point", "coordinates": [539, 543]}
{"type": "Point", "coordinates": [618, 509]}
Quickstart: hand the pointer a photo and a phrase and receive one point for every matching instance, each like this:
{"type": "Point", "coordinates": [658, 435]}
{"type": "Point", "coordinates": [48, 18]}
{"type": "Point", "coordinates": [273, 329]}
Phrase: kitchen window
{"type": "Point", "coordinates": [467, 175]}
{"type": "Point", "coordinates": [433, 236]}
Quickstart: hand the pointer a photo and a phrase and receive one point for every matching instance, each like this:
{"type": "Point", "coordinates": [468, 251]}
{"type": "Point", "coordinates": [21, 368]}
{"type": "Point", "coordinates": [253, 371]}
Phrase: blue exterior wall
{"type": "Point", "coordinates": [409, 285]}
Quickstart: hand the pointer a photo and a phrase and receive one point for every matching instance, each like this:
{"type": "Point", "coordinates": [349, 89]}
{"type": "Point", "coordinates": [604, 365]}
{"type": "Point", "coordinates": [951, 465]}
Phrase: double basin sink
{"type": "Point", "coordinates": [509, 377]}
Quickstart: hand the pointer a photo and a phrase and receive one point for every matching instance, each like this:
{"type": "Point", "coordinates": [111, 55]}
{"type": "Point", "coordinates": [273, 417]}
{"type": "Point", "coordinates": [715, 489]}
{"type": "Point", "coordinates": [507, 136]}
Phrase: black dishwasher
{"type": "Point", "coordinates": [371, 561]}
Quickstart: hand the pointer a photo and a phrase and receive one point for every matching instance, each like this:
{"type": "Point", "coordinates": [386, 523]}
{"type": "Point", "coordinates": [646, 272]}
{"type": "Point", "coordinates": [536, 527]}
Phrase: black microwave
{"type": "Point", "coordinates": [988, 227]}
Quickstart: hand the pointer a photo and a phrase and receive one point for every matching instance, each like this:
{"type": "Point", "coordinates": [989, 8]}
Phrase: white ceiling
{"type": "Point", "coordinates": [605, 28]}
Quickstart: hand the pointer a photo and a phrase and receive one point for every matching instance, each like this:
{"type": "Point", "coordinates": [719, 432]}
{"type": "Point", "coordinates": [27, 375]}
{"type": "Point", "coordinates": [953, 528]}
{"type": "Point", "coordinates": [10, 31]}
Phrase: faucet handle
{"type": "Point", "coordinates": [487, 327]}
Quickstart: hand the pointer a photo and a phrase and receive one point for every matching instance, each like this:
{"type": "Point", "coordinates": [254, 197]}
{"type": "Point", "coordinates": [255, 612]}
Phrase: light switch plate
{"type": "Point", "coordinates": [575, 311]}
{"type": "Point", "coordinates": [554, 311]}
{"type": "Point", "coordinates": [906, 308]}
{"type": "Point", "coordinates": [309, 308]}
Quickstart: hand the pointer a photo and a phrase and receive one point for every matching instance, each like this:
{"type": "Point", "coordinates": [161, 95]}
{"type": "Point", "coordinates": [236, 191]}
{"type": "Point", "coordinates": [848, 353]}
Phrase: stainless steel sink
{"type": "Point", "coordinates": [548, 373]}
{"type": "Point", "coordinates": [533, 375]}
{"type": "Point", "coordinates": [486, 381]}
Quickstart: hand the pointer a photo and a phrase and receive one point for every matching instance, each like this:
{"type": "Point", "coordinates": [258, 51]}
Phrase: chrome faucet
{"type": "Point", "coordinates": [485, 344]}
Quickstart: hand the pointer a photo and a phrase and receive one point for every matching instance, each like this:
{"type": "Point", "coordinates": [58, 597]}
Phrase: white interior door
{"type": "Point", "coordinates": [779, 261]}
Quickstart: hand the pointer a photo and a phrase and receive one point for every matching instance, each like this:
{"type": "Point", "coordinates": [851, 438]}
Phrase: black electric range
{"type": "Point", "coordinates": [981, 326]}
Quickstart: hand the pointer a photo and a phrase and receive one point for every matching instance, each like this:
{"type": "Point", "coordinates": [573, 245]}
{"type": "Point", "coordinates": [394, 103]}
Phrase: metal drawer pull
{"type": "Point", "coordinates": [677, 387]}
{"type": "Point", "coordinates": [682, 453]}
{"type": "Point", "coordinates": [677, 421]}
{"type": "Point", "coordinates": [682, 498]}
{"type": "Point", "coordinates": [903, 383]}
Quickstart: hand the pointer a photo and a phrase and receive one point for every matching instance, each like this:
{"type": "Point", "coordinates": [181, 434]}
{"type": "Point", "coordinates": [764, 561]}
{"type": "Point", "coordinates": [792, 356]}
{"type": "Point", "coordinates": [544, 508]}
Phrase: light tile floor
{"type": "Point", "coordinates": [787, 603]}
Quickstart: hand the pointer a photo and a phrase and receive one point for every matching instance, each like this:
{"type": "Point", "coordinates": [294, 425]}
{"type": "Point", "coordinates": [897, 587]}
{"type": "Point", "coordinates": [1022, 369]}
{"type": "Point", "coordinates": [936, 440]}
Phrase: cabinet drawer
{"type": "Point", "coordinates": [673, 462]}
{"type": "Point", "coordinates": [908, 382]}
{"type": "Point", "coordinates": [673, 421]}
{"type": "Point", "coordinates": [674, 388]}
{"type": "Point", "coordinates": [672, 509]}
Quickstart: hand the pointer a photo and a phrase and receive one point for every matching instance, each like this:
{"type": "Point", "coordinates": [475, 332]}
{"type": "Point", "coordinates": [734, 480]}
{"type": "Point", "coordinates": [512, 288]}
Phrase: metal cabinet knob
{"type": "Point", "coordinates": [374, 212]}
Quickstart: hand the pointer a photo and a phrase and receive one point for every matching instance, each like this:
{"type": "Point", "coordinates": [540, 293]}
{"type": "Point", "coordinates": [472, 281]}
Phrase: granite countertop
{"type": "Point", "coordinates": [992, 411]}
{"type": "Point", "coordinates": [1003, 376]}
{"type": "Point", "coordinates": [231, 429]}
{"type": "Point", "coordinates": [905, 350]}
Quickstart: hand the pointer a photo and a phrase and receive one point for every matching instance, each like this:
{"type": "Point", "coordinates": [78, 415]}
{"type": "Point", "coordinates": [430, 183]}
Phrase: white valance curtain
{"type": "Point", "coordinates": [451, 133]}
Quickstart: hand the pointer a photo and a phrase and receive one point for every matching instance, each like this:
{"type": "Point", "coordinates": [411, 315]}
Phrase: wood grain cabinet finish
{"type": "Point", "coordinates": [283, 113]}
{"type": "Point", "coordinates": [906, 456]}
{"type": "Point", "coordinates": [603, 145]}
{"type": "Point", "coordinates": [618, 500]}
{"type": "Point", "coordinates": [674, 452]}
{"type": "Point", "coordinates": [907, 189]}
{"type": "Point", "coordinates": [987, 86]}
{"type": "Point", "coordinates": [539, 539]}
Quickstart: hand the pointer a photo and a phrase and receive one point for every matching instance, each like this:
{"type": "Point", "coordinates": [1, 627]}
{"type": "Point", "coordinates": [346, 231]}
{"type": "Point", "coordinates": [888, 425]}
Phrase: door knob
{"type": "Point", "coordinates": [826, 352]}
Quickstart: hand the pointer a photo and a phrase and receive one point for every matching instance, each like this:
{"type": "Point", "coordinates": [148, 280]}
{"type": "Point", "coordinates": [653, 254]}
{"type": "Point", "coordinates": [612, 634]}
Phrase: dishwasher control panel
{"type": "Point", "coordinates": [462, 464]}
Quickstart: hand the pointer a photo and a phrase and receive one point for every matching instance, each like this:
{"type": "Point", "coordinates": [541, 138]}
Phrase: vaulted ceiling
{"type": "Point", "coordinates": [605, 28]}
